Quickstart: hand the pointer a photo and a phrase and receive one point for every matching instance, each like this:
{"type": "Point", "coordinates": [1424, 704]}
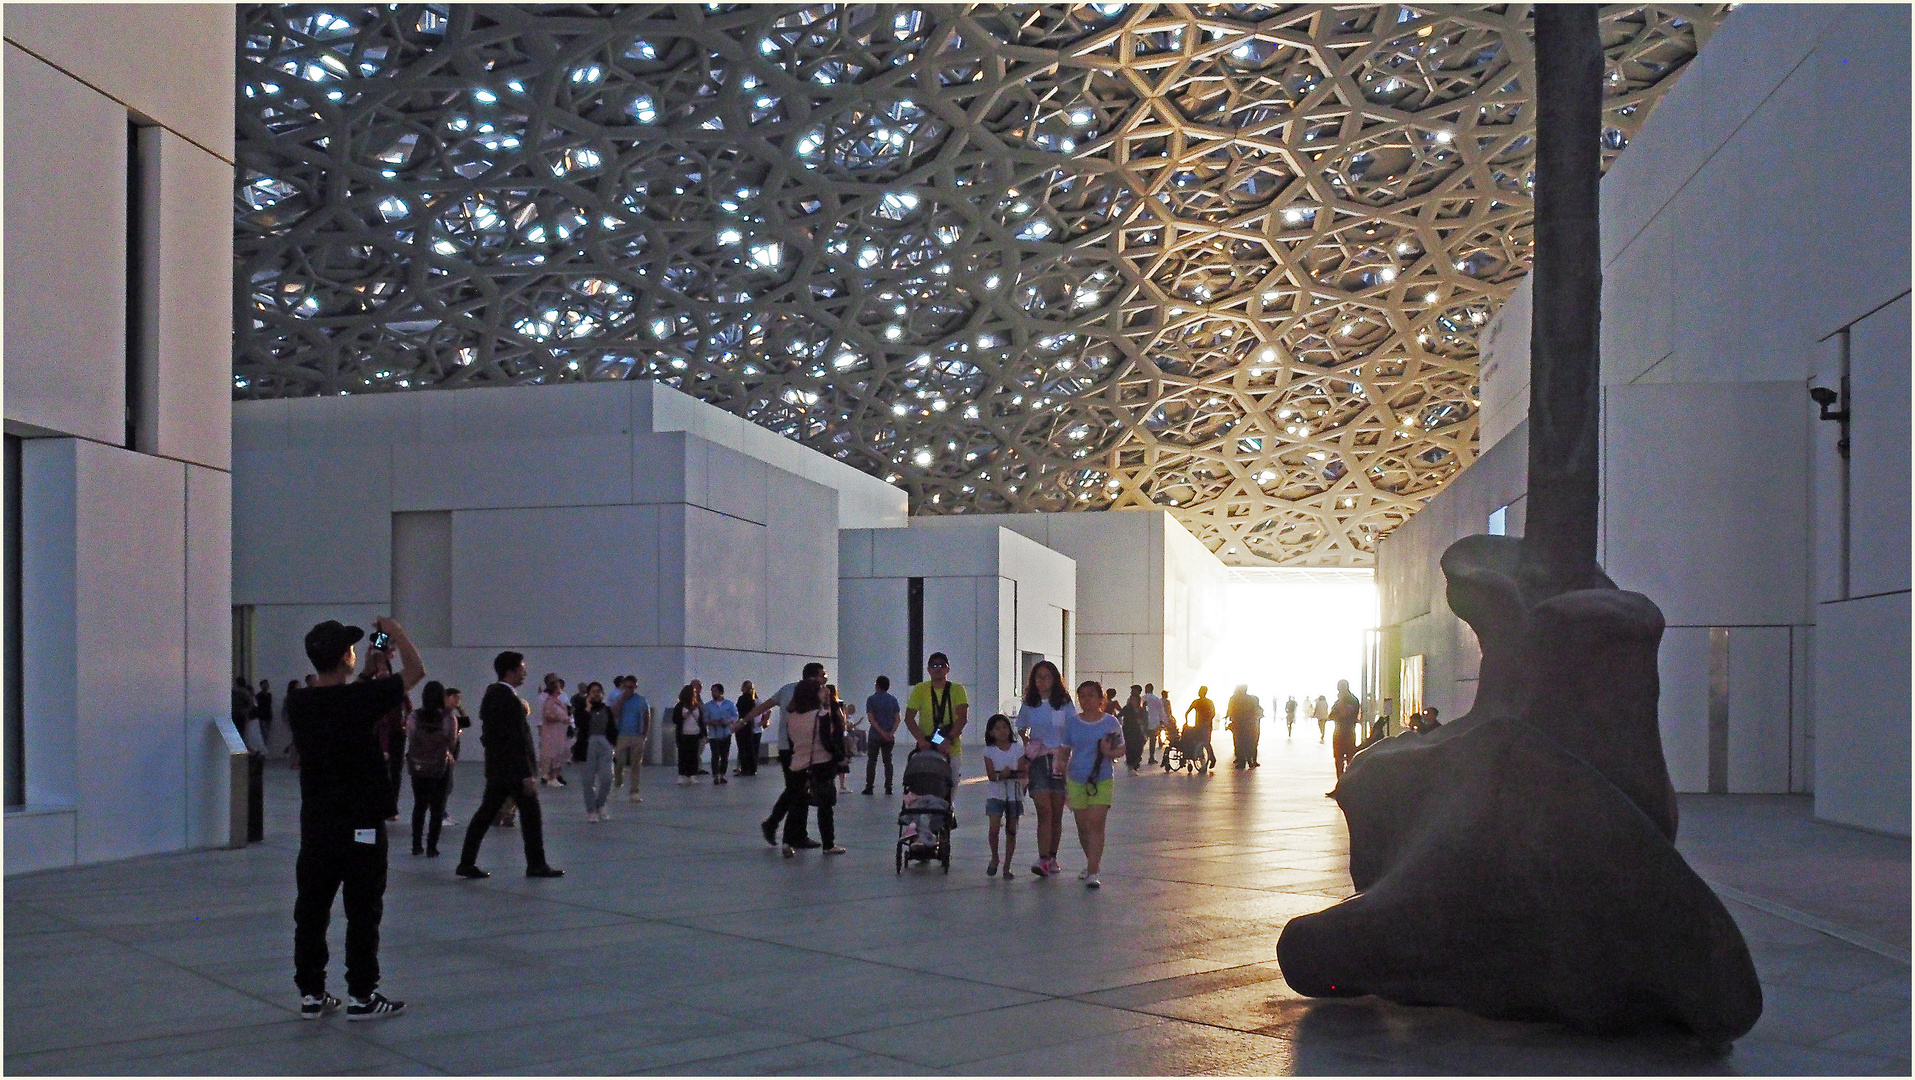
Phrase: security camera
{"type": "Point", "coordinates": [1826, 398]}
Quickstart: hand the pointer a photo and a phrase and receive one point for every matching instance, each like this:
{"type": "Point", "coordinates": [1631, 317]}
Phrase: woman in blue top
{"type": "Point", "coordinates": [1093, 740]}
{"type": "Point", "coordinates": [1041, 720]}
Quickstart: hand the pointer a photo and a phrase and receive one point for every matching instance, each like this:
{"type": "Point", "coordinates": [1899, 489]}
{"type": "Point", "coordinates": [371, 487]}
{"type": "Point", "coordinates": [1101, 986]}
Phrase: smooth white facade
{"type": "Point", "coordinates": [1735, 277]}
{"type": "Point", "coordinates": [992, 601]}
{"type": "Point", "coordinates": [600, 528]}
{"type": "Point", "coordinates": [1150, 595]}
{"type": "Point", "coordinates": [124, 496]}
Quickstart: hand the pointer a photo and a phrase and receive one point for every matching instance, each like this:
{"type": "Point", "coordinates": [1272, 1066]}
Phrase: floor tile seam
{"type": "Point", "coordinates": [1042, 995]}
{"type": "Point", "coordinates": [1781, 1044]}
{"type": "Point", "coordinates": [107, 1046]}
{"type": "Point", "coordinates": [270, 1003]}
{"type": "Point", "coordinates": [841, 956]}
{"type": "Point", "coordinates": [1812, 922]}
{"type": "Point", "coordinates": [1266, 889]}
{"type": "Point", "coordinates": [837, 1039]}
{"type": "Point", "coordinates": [520, 1070]}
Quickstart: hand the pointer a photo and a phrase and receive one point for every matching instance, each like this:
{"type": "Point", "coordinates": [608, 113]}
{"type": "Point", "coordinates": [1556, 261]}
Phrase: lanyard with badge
{"type": "Point", "coordinates": [941, 713]}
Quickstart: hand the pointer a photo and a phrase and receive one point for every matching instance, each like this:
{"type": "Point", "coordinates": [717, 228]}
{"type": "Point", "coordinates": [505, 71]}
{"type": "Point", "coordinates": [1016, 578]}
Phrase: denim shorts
{"type": "Point", "coordinates": [1042, 778]}
{"type": "Point", "coordinates": [1010, 808]}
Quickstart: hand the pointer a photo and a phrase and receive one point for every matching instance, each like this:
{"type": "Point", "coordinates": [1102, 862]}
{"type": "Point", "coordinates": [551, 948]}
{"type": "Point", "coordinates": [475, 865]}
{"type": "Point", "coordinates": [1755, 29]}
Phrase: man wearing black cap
{"type": "Point", "coordinates": [511, 771]}
{"type": "Point", "coordinates": [344, 801]}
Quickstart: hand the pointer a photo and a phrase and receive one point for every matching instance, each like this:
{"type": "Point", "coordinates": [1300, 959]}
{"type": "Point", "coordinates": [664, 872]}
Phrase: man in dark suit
{"type": "Point", "coordinates": [511, 770]}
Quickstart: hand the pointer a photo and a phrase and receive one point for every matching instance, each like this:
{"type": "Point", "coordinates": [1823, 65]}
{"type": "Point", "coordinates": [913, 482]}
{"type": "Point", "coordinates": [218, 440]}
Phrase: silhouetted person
{"type": "Point", "coordinates": [1344, 716]}
{"type": "Point", "coordinates": [1244, 711]}
{"type": "Point", "coordinates": [1206, 711]}
{"type": "Point", "coordinates": [511, 770]}
{"type": "Point", "coordinates": [263, 713]}
{"type": "Point", "coordinates": [1290, 716]}
{"type": "Point", "coordinates": [1133, 716]}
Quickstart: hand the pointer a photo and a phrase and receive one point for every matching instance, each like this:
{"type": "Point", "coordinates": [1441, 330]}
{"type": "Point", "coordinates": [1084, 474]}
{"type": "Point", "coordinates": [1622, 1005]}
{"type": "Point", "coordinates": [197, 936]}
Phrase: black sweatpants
{"type": "Point", "coordinates": [331, 861]}
{"type": "Point", "coordinates": [748, 752]}
{"type": "Point", "coordinates": [429, 808]}
{"type": "Point", "coordinates": [1133, 744]}
{"type": "Point", "coordinates": [873, 748]}
{"type": "Point", "coordinates": [688, 755]}
{"type": "Point", "coordinates": [531, 825]}
{"type": "Point", "coordinates": [720, 757]}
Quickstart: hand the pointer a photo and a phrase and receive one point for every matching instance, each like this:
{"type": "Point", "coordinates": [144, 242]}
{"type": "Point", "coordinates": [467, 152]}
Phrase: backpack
{"type": "Point", "coordinates": [429, 752]}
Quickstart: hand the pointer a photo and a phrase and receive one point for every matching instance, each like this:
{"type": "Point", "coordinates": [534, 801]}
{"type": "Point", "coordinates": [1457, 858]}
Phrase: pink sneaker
{"type": "Point", "coordinates": [1052, 867]}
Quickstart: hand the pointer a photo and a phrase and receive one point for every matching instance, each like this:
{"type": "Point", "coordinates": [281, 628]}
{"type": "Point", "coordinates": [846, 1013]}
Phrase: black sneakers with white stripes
{"type": "Point", "coordinates": [314, 1006]}
{"type": "Point", "coordinates": [376, 1007]}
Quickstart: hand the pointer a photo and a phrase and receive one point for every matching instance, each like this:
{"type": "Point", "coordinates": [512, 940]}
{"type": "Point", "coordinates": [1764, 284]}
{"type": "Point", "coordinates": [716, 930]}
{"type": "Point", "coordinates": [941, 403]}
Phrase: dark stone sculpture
{"type": "Point", "coordinates": [1519, 862]}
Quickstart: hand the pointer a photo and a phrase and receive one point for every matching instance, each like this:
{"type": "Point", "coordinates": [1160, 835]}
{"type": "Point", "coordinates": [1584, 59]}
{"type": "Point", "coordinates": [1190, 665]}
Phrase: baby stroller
{"type": "Point", "coordinates": [925, 820]}
{"type": "Point", "coordinates": [1184, 752]}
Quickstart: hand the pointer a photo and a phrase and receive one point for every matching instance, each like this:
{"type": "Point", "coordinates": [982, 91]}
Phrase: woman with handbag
{"type": "Point", "coordinates": [840, 716]}
{"type": "Point", "coordinates": [816, 734]}
{"type": "Point", "coordinates": [431, 734]}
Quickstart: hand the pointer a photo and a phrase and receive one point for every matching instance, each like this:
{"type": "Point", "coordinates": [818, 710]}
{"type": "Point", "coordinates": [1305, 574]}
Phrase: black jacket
{"type": "Point", "coordinates": [509, 753]}
{"type": "Point", "coordinates": [587, 719]}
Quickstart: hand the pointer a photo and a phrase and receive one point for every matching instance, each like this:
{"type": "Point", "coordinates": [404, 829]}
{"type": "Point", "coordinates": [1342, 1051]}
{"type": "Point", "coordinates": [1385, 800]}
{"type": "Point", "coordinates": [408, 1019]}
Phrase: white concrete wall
{"type": "Point", "coordinates": [1860, 669]}
{"type": "Point", "coordinates": [551, 520]}
{"type": "Point", "coordinates": [990, 595]}
{"type": "Point", "coordinates": [126, 629]}
{"type": "Point", "coordinates": [1151, 596]}
{"type": "Point", "coordinates": [1733, 277]}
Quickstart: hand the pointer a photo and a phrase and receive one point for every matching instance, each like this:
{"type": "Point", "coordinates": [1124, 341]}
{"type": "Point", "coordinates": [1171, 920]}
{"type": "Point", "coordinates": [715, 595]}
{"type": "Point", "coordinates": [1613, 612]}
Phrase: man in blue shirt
{"type": "Point", "coordinates": [634, 723]}
{"type": "Point", "coordinates": [882, 709]}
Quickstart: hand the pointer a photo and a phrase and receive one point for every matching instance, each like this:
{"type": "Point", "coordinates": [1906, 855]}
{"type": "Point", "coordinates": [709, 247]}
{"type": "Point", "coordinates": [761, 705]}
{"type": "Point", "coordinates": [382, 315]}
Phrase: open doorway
{"type": "Point", "coordinates": [1293, 632]}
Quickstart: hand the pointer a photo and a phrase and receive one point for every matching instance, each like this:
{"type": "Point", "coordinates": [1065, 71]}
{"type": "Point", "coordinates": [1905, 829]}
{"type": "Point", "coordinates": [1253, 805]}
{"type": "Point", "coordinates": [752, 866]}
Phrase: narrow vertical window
{"type": "Point", "coordinates": [915, 605]}
{"type": "Point", "coordinates": [142, 291]}
{"type": "Point", "coordinates": [16, 793]}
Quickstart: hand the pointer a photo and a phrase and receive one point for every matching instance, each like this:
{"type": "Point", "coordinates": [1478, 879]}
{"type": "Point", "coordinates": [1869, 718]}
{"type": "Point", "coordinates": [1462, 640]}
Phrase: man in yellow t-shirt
{"type": "Point", "coordinates": [943, 706]}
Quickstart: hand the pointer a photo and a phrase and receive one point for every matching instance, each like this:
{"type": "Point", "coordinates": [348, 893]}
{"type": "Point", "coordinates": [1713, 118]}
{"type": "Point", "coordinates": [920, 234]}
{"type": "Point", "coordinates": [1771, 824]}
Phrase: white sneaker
{"type": "Point", "coordinates": [1091, 882]}
{"type": "Point", "coordinates": [1084, 874]}
{"type": "Point", "coordinates": [591, 817]}
{"type": "Point", "coordinates": [682, 781]}
{"type": "Point", "coordinates": [605, 815]}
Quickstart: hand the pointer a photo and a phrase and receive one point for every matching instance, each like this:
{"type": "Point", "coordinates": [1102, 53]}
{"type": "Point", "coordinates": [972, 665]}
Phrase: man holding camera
{"type": "Point", "coordinates": [511, 770]}
{"type": "Point", "coordinates": [345, 800]}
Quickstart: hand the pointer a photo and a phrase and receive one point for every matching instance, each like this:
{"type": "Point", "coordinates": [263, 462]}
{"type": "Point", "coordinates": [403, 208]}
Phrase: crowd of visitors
{"type": "Point", "coordinates": [354, 739]}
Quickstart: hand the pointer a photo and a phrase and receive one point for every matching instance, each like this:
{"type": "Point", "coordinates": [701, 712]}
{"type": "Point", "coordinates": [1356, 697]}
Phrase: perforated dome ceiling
{"type": "Point", "coordinates": [1229, 260]}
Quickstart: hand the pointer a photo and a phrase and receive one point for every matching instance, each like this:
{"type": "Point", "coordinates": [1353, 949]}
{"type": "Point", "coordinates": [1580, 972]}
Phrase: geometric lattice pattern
{"type": "Point", "coordinates": [1229, 260]}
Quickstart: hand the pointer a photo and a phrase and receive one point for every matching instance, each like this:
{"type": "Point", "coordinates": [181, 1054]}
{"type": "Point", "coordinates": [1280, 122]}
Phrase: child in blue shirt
{"type": "Point", "coordinates": [1093, 739]}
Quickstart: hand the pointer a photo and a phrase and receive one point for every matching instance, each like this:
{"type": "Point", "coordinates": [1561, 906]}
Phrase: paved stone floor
{"type": "Point", "coordinates": [678, 942]}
